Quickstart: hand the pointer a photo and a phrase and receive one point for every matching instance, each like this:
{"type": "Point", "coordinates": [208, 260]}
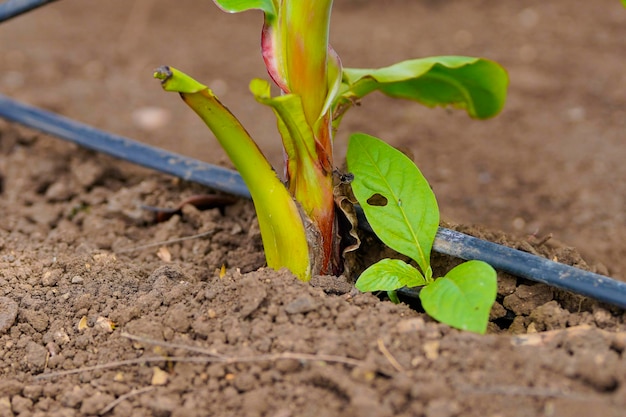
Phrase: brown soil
{"type": "Point", "coordinates": [104, 312]}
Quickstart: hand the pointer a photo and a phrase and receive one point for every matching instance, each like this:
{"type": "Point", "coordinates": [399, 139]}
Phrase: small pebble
{"type": "Point", "coordinates": [602, 317]}
{"type": "Point", "coordinates": [411, 325]}
{"type": "Point", "coordinates": [59, 191]}
{"type": "Point", "coordinates": [302, 304]}
{"type": "Point", "coordinates": [159, 376]}
{"type": "Point", "coordinates": [77, 279]}
{"type": "Point", "coordinates": [431, 349]}
{"type": "Point", "coordinates": [8, 313]}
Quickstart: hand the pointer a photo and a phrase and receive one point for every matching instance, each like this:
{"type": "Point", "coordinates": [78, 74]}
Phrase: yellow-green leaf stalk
{"type": "Point", "coordinates": [282, 227]}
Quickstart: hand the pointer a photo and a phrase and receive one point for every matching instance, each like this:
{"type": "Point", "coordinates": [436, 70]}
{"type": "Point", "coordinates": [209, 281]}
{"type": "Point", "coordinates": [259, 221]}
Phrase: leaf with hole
{"type": "Point", "coordinates": [396, 198]}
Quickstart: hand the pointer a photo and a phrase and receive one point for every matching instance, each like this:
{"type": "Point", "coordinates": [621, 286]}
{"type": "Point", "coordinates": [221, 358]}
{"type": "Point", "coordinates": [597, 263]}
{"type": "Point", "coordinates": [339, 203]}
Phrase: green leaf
{"type": "Point", "coordinates": [389, 275]}
{"type": "Point", "coordinates": [235, 6]}
{"type": "Point", "coordinates": [463, 298]}
{"type": "Point", "coordinates": [624, 3]}
{"type": "Point", "coordinates": [396, 198]}
{"type": "Point", "coordinates": [474, 84]}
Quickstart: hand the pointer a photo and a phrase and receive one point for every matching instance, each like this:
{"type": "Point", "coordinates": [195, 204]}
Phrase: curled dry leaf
{"type": "Point", "coordinates": [349, 240]}
{"type": "Point", "coordinates": [345, 201]}
{"type": "Point", "coordinates": [105, 324]}
{"type": "Point", "coordinates": [164, 254]}
{"type": "Point", "coordinates": [82, 324]}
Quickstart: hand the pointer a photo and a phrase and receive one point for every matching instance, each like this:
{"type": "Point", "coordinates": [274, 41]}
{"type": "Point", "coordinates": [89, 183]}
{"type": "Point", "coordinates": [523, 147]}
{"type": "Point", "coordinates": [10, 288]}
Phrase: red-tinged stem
{"type": "Point", "coordinates": [312, 187]}
{"type": "Point", "coordinates": [311, 184]}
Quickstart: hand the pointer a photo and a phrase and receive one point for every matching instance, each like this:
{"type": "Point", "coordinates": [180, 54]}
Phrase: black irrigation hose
{"type": "Point", "coordinates": [447, 241]}
{"type": "Point", "coordinates": [535, 268]}
{"type": "Point", "coordinates": [11, 8]}
{"type": "Point", "coordinates": [218, 178]}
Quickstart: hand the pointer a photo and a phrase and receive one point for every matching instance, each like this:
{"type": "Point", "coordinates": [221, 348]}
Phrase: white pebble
{"type": "Point", "coordinates": [151, 118]}
{"type": "Point", "coordinates": [77, 280]}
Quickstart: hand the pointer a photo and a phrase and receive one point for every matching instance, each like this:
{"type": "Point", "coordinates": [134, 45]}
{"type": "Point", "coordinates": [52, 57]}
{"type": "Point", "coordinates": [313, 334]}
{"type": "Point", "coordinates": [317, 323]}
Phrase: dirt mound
{"type": "Point", "coordinates": [104, 311]}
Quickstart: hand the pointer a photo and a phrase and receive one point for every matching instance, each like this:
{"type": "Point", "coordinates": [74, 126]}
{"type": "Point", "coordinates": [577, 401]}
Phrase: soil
{"type": "Point", "coordinates": [104, 311]}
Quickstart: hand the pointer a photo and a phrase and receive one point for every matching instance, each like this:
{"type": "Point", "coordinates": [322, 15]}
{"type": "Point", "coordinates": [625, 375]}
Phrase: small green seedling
{"type": "Point", "coordinates": [297, 218]}
{"type": "Point", "coordinates": [401, 208]}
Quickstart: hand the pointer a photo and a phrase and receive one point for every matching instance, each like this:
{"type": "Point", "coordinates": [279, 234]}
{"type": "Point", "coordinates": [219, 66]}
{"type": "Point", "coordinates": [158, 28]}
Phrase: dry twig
{"type": "Point", "coordinates": [542, 338]}
{"type": "Point", "coordinates": [165, 242]}
{"type": "Point", "coordinates": [211, 357]}
{"type": "Point", "coordinates": [383, 349]}
{"type": "Point", "coordinates": [121, 398]}
{"type": "Point", "coordinates": [195, 349]}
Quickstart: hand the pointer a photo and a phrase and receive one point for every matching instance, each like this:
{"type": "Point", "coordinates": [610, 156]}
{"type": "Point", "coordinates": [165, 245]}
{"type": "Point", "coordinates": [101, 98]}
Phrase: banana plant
{"type": "Point", "coordinates": [297, 217]}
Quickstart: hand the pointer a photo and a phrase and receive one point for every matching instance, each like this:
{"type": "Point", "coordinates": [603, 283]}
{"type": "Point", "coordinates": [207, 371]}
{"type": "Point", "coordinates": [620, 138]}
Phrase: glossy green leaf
{"type": "Point", "coordinates": [389, 275]}
{"type": "Point", "coordinates": [474, 84]}
{"type": "Point", "coordinates": [463, 298]}
{"type": "Point", "coordinates": [396, 198]}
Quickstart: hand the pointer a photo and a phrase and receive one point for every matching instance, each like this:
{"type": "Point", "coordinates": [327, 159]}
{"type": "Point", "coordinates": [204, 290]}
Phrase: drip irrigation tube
{"type": "Point", "coordinates": [535, 268]}
{"type": "Point", "coordinates": [218, 178]}
{"type": "Point", "coordinates": [11, 8]}
{"type": "Point", "coordinates": [449, 242]}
